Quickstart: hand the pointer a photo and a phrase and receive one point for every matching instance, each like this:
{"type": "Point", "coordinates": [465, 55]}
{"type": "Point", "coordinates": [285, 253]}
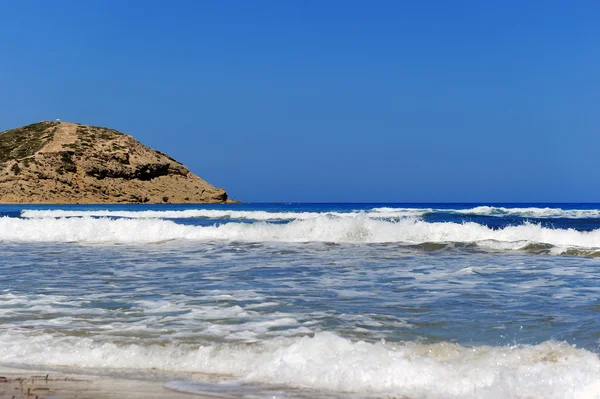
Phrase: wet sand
{"type": "Point", "coordinates": [35, 384]}
{"type": "Point", "coordinates": [16, 383]}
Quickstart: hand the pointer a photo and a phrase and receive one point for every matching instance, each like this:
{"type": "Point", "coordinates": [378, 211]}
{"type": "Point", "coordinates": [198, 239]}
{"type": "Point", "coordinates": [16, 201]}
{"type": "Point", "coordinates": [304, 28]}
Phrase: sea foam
{"type": "Point", "coordinates": [358, 229]}
{"type": "Point", "coordinates": [376, 213]}
{"type": "Point", "coordinates": [174, 214]}
{"type": "Point", "coordinates": [330, 362]}
{"type": "Point", "coordinates": [528, 212]}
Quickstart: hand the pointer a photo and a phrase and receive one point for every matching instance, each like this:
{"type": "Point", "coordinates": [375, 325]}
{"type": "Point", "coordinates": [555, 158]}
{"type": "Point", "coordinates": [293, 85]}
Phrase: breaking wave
{"type": "Point", "coordinates": [358, 229]}
{"type": "Point", "coordinates": [330, 362]}
{"type": "Point", "coordinates": [183, 214]}
{"type": "Point", "coordinates": [376, 213]}
{"type": "Point", "coordinates": [531, 212]}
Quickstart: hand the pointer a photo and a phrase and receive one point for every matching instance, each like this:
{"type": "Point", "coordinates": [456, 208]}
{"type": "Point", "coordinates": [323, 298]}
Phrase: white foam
{"type": "Point", "coordinates": [329, 362]}
{"type": "Point", "coordinates": [529, 212]}
{"type": "Point", "coordinates": [183, 214]}
{"type": "Point", "coordinates": [358, 229]}
{"type": "Point", "coordinates": [378, 213]}
{"type": "Point", "coordinates": [391, 213]}
{"type": "Point", "coordinates": [533, 212]}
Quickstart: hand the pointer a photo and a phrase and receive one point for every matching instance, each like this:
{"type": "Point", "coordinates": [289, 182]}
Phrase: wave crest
{"type": "Point", "coordinates": [375, 213]}
{"type": "Point", "coordinates": [484, 210]}
{"type": "Point", "coordinates": [358, 229]}
{"type": "Point", "coordinates": [327, 361]}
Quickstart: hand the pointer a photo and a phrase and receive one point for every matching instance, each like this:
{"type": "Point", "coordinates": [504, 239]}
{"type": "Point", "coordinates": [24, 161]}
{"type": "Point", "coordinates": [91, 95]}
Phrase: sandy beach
{"type": "Point", "coordinates": [17, 383]}
{"type": "Point", "coordinates": [37, 384]}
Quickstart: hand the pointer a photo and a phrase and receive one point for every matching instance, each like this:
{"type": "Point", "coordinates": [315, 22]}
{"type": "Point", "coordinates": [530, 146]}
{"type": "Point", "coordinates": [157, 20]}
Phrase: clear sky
{"type": "Point", "coordinates": [330, 100]}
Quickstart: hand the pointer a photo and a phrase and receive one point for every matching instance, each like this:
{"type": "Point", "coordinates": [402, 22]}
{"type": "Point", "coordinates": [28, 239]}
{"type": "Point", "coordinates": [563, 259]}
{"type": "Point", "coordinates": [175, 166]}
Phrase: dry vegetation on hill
{"type": "Point", "coordinates": [61, 162]}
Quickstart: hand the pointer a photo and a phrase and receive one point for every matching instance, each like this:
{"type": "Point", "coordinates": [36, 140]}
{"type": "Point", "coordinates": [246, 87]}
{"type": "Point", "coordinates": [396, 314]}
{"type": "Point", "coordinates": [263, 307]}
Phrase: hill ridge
{"type": "Point", "coordinates": [66, 162]}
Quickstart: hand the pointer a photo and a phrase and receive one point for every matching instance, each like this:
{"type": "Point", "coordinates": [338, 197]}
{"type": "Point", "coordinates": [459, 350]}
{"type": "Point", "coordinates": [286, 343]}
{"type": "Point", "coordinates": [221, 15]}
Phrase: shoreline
{"type": "Point", "coordinates": [41, 383]}
{"type": "Point", "coordinates": [37, 383]}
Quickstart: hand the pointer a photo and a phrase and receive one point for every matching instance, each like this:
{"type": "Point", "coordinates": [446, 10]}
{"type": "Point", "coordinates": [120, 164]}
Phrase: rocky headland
{"type": "Point", "coordinates": [62, 162]}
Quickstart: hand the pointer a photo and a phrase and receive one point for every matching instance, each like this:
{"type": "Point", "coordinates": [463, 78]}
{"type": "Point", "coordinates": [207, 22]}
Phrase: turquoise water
{"type": "Point", "coordinates": [341, 300]}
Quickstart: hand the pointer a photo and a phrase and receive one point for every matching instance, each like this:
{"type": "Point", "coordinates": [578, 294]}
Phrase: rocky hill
{"type": "Point", "coordinates": [61, 162]}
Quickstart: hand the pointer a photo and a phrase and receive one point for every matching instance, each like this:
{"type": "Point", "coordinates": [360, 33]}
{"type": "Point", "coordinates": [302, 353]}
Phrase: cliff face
{"type": "Point", "coordinates": [61, 162]}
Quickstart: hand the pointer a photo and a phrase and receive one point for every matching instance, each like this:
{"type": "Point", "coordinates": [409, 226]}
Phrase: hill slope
{"type": "Point", "coordinates": [62, 162]}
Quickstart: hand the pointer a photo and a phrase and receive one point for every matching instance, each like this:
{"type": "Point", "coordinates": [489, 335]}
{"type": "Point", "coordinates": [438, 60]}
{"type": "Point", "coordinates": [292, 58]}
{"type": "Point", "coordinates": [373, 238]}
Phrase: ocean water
{"type": "Point", "coordinates": [309, 300]}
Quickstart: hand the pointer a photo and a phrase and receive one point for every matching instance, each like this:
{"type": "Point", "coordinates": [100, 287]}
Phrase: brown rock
{"type": "Point", "coordinates": [62, 162]}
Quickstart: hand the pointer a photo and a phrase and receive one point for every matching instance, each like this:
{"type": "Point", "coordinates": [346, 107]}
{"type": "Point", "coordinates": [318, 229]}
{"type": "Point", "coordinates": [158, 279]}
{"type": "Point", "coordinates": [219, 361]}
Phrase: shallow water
{"type": "Point", "coordinates": [427, 300]}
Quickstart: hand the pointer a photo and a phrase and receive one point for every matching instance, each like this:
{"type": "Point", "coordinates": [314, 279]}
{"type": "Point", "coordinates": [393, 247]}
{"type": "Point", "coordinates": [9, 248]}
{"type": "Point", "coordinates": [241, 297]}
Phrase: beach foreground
{"type": "Point", "coordinates": [18, 383]}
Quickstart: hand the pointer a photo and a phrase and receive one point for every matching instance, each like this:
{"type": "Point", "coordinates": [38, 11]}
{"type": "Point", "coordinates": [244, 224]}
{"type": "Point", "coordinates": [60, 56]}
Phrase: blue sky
{"type": "Point", "coordinates": [312, 101]}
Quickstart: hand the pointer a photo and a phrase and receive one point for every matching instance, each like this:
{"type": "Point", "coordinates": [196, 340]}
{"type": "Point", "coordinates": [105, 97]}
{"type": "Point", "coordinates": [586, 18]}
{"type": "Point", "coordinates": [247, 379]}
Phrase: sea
{"type": "Point", "coordinates": [308, 300]}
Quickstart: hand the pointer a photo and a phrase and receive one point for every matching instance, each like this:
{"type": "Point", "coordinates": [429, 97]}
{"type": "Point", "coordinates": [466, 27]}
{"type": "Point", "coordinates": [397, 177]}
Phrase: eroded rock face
{"type": "Point", "coordinates": [61, 162]}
